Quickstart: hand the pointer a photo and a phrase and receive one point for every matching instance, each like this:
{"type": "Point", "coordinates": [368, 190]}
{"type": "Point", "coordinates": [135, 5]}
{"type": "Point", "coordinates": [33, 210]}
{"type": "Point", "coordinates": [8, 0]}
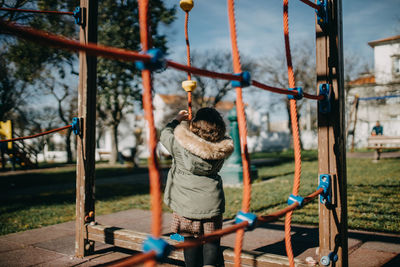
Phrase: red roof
{"type": "Point", "coordinates": [385, 40]}
{"type": "Point", "coordinates": [366, 79]}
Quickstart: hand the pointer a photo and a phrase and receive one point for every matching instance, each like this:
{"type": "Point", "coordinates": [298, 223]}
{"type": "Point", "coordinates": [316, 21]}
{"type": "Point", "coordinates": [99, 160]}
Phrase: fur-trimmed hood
{"type": "Point", "coordinates": [200, 147]}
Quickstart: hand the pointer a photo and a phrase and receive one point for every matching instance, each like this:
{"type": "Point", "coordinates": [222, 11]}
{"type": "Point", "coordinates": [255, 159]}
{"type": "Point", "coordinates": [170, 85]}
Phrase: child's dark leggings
{"type": "Point", "coordinates": [207, 254]}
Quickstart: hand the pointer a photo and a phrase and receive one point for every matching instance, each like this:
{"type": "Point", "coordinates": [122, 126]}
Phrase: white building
{"type": "Point", "coordinates": [378, 93]}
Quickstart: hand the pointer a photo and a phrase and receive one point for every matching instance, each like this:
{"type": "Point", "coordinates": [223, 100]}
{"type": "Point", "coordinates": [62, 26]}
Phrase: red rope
{"type": "Point", "coordinates": [276, 215]}
{"type": "Point", "coordinates": [189, 94]}
{"type": "Point", "coordinates": [311, 4]}
{"type": "Point", "coordinates": [147, 103]}
{"type": "Point", "coordinates": [65, 43]}
{"type": "Point", "coordinates": [203, 72]}
{"type": "Point", "coordinates": [222, 232]}
{"type": "Point", "coordinates": [131, 261]}
{"type": "Point", "coordinates": [125, 55]}
{"type": "Point", "coordinates": [154, 173]}
{"type": "Point", "coordinates": [313, 97]}
{"type": "Point", "coordinates": [36, 135]}
{"type": "Point", "coordinates": [187, 42]}
{"type": "Point", "coordinates": [36, 11]}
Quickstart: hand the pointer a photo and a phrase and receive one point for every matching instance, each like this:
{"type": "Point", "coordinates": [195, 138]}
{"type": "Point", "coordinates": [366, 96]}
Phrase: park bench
{"type": "Point", "coordinates": [381, 142]}
{"type": "Point", "coordinates": [103, 154]}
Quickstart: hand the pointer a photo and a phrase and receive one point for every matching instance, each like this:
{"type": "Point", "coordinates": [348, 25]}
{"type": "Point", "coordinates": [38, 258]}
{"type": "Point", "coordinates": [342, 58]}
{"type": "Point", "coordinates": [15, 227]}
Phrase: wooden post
{"type": "Point", "coordinates": [85, 162]}
{"type": "Point", "coordinates": [331, 136]}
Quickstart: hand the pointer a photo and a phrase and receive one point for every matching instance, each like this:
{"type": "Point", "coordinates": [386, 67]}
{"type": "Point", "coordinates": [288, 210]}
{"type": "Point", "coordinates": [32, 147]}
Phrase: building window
{"type": "Point", "coordinates": [396, 65]}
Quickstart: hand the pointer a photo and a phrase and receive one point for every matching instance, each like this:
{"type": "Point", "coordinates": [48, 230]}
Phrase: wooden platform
{"type": "Point", "coordinates": [133, 240]}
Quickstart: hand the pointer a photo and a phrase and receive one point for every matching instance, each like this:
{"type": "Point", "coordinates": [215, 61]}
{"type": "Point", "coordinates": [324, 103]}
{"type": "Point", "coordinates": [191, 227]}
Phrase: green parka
{"type": "Point", "coordinates": [194, 189]}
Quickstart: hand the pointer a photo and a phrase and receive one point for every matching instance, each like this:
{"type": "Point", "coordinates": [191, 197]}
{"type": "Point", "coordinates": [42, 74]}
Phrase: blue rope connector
{"type": "Point", "coordinates": [325, 103]}
{"type": "Point", "coordinates": [157, 61]}
{"type": "Point", "coordinates": [75, 126]}
{"type": "Point", "coordinates": [77, 14]}
{"type": "Point", "coordinates": [322, 14]}
{"type": "Point", "coordinates": [246, 80]}
{"type": "Point", "coordinates": [249, 217]}
{"type": "Point", "coordinates": [299, 93]}
{"type": "Point", "coordinates": [159, 245]}
{"type": "Point", "coordinates": [325, 183]}
{"type": "Point", "coordinates": [293, 199]}
{"type": "Point", "coordinates": [333, 256]}
{"type": "Point", "coordinates": [177, 237]}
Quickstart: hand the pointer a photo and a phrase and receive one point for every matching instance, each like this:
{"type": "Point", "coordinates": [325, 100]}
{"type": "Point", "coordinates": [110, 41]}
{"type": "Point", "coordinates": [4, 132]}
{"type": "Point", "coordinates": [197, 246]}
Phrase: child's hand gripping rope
{"type": "Point", "coordinates": [183, 115]}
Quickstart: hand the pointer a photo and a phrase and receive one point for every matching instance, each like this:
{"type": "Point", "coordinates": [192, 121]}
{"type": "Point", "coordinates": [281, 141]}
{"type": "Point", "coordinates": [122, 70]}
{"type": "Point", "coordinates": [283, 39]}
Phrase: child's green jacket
{"type": "Point", "coordinates": [194, 188]}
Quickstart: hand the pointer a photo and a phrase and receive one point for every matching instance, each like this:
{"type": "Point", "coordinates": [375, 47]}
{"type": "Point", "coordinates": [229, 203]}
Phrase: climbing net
{"type": "Point", "coordinates": [150, 59]}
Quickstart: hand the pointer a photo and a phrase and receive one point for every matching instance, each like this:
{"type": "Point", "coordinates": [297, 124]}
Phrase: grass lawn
{"type": "Point", "coordinates": [373, 194]}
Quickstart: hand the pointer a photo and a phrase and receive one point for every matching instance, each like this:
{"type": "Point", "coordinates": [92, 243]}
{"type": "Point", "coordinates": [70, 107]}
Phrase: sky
{"type": "Point", "coordinates": [260, 30]}
{"type": "Point", "coordinates": [259, 26]}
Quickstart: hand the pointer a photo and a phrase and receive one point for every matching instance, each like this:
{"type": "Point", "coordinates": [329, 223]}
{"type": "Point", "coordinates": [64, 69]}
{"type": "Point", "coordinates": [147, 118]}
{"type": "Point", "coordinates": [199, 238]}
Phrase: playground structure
{"type": "Point", "coordinates": [15, 153]}
{"type": "Point", "coordinates": [333, 214]}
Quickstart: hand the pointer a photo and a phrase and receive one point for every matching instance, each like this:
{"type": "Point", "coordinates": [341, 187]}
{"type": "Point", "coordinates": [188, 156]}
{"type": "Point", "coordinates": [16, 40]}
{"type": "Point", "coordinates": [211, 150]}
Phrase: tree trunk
{"type": "Point", "coordinates": [68, 147]}
{"type": "Point", "coordinates": [114, 144]}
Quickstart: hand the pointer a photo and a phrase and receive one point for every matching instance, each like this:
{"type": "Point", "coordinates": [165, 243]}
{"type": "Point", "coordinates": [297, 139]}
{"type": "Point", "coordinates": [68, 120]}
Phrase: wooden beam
{"type": "Point", "coordinates": [133, 240]}
{"type": "Point", "coordinates": [85, 162]}
{"type": "Point", "coordinates": [331, 136]}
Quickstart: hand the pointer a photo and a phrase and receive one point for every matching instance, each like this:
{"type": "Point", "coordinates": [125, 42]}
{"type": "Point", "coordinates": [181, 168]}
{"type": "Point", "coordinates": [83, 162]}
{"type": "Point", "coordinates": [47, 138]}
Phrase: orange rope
{"type": "Point", "coordinates": [242, 131]}
{"type": "Point", "coordinates": [189, 94]}
{"type": "Point", "coordinates": [154, 173]}
{"type": "Point", "coordinates": [35, 135]}
{"type": "Point", "coordinates": [295, 132]}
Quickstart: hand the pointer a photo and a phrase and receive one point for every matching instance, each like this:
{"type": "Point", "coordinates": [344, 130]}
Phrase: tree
{"type": "Point", "coordinates": [354, 65]}
{"type": "Point", "coordinates": [275, 69]}
{"type": "Point", "coordinates": [12, 91]}
{"type": "Point", "coordinates": [209, 91]}
{"type": "Point", "coordinates": [303, 57]}
{"type": "Point", "coordinates": [119, 82]}
{"type": "Point", "coordinates": [67, 106]}
{"type": "Point", "coordinates": [33, 67]}
{"type": "Point", "coordinates": [118, 26]}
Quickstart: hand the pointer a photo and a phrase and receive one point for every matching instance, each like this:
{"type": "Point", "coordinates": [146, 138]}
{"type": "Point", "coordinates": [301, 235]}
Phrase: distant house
{"type": "Point", "coordinates": [263, 135]}
{"type": "Point", "coordinates": [378, 94]}
{"type": "Point", "coordinates": [133, 132]}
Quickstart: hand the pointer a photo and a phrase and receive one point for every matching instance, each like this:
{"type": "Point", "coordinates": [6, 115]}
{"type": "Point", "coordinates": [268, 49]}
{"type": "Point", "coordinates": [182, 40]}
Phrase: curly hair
{"type": "Point", "coordinates": [208, 124]}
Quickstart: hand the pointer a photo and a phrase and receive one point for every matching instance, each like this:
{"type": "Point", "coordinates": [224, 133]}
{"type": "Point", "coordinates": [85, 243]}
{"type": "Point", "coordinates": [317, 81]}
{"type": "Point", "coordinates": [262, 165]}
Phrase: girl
{"type": "Point", "coordinates": [194, 189]}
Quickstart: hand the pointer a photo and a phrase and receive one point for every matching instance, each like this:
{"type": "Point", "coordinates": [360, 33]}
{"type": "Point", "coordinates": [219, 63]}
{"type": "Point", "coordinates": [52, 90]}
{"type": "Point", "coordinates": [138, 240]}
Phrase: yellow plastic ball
{"type": "Point", "coordinates": [189, 85]}
{"type": "Point", "coordinates": [186, 5]}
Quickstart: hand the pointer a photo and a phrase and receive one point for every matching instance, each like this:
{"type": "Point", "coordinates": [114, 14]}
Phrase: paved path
{"type": "Point", "coordinates": [54, 245]}
{"type": "Point", "coordinates": [370, 155]}
{"type": "Point", "coordinates": [137, 178]}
